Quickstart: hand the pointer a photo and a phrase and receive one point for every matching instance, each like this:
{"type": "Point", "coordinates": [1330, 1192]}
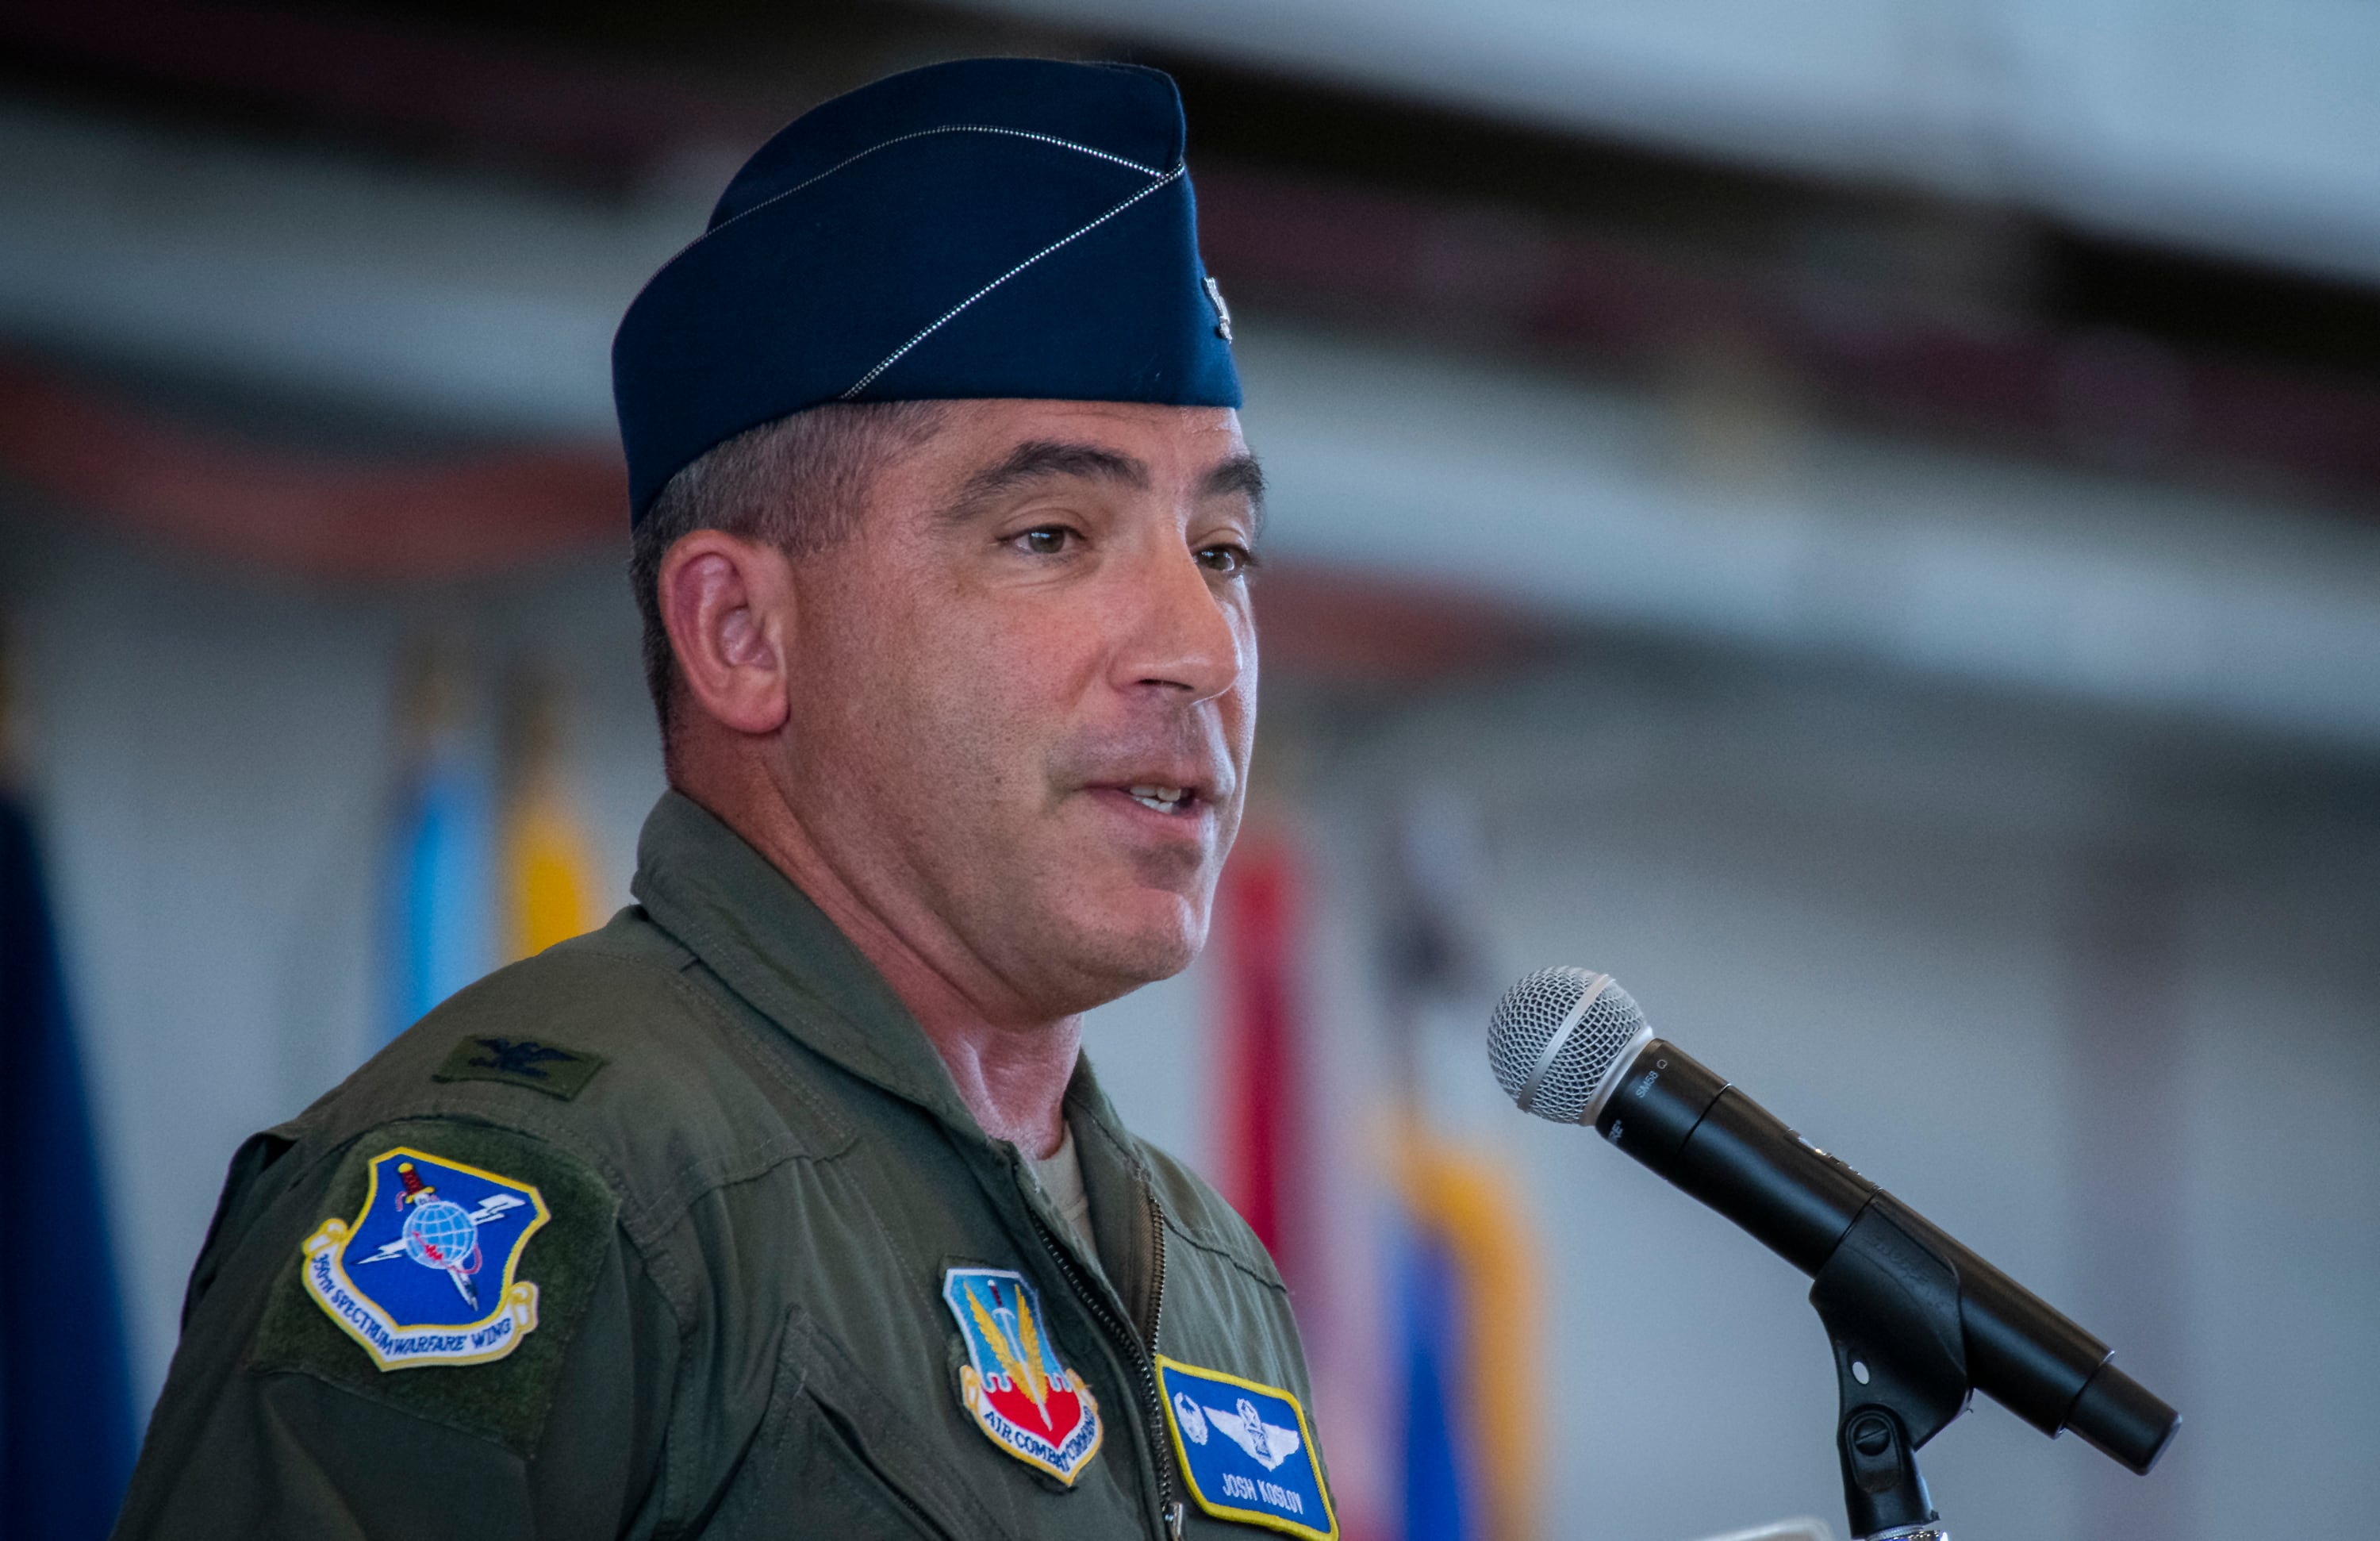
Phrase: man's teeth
{"type": "Point", "coordinates": [1164, 799]}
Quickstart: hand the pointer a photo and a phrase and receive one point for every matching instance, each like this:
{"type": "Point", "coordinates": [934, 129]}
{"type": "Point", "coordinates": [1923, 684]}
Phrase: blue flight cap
{"type": "Point", "coordinates": [991, 227]}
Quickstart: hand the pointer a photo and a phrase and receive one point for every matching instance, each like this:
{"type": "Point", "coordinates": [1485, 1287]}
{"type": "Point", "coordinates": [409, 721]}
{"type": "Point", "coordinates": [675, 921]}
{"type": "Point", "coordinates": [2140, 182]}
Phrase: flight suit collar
{"type": "Point", "coordinates": [714, 891]}
{"type": "Point", "coordinates": [1124, 1218]}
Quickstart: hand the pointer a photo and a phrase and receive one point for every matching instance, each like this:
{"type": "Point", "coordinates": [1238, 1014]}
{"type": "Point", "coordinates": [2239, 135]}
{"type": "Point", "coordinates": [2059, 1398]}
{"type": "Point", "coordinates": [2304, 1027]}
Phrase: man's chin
{"type": "Point", "coordinates": [1109, 956]}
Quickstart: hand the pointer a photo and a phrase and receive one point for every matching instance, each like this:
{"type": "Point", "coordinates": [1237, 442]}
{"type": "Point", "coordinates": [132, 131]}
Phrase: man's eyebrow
{"type": "Point", "coordinates": [1240, 474]}
{"type": "Point", "coordinates": [1043, 460]}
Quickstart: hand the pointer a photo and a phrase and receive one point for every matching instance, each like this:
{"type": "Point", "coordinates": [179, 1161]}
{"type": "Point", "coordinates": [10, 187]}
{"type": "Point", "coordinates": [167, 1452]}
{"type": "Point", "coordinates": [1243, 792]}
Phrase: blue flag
{"type": "Point", "coordinates": [1440, 1498]}
{"type": "Point", "coordinates": [67, 1440]}
{"type": "Point", "coordinates": [440, 927]}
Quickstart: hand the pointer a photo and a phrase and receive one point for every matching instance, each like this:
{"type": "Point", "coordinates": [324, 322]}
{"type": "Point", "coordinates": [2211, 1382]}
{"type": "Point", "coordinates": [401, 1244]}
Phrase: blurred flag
{"type": "Point", "coordinates": [549, 884]}
{"type": "Point", "coordinates": [1265, 1120]}
{"type": "Point", "coordinates": [1463, 1270]}
{"type": "Point", "coordinates": [1412, 1275]}
{"type": "Point", "coordinates": [437, 930]}
{"type": "Point", "coordinates": [1466, 1310]}
{"type": "Point", "coordinates": [1293, 1171]}
{"type": "Point", "coordinates": [66, 1433]}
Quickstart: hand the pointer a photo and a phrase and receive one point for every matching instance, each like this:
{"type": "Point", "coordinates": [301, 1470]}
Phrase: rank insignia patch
{"type": "Point", "coordinates": [546, 1067]}
{"type": "Point", "coordinates": [424, 1275]}
{"type": "Point", "coordinates": [1247, 1450]}
{"type": "Point", "coordinates": [1012, 1385]}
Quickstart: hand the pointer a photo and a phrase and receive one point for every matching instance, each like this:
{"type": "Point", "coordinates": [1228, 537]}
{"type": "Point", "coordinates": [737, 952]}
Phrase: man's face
{"type": "Point", "coordinates": [1025, 692]}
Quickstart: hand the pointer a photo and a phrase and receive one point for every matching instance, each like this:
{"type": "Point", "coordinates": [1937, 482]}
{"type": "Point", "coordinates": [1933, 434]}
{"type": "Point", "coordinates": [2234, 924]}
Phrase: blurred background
{"type": "Point", "coordinates": [1861, 519]}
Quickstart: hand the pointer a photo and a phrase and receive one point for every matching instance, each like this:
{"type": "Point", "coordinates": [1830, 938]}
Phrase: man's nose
{"type": "Point", "coordinates": [1181, 631]}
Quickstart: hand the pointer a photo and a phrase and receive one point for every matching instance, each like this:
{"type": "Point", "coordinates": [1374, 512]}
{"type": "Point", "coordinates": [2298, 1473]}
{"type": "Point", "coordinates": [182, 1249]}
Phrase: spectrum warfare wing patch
{"type": "Point", "coordinates": [424, 1274]}
{"type": "Point", "coordinates": [1012, 1385]}
{"type": "Point", "coordinates": [509, 1399]}
{"type": "Point", "coordinates": [1248, 1450]}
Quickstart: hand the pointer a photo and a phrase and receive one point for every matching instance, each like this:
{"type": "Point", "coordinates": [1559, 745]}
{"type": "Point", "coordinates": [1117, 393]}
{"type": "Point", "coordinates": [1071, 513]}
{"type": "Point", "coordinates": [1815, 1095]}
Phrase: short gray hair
{"type": "Point", "coordinates": [798, 483]}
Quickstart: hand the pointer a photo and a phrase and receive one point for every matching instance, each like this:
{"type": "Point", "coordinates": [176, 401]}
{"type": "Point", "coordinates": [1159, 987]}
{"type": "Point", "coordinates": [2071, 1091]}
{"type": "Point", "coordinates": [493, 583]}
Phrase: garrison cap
{"type": "Point", "coordinates": [989, 228]}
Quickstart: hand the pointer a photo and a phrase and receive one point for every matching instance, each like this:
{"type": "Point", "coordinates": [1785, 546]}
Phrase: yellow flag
{"type": "Point", "coordinates": [549, 885]}
{"type": "Point", "coordinates": [545, 876]}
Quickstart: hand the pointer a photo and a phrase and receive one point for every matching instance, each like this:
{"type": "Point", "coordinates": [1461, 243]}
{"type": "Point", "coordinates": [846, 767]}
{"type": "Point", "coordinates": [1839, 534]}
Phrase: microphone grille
{"type": "Point", "coordinates": [1557, 1036]}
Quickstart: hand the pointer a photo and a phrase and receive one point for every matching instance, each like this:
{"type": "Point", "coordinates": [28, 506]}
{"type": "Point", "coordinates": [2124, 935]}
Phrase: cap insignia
{"type": "Point", "coordinates": [1223, 312]}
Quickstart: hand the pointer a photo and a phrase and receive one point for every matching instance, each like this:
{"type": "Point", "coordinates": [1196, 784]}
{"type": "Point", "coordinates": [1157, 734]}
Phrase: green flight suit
{"type": "Point", "coordinates": [756, 1171]}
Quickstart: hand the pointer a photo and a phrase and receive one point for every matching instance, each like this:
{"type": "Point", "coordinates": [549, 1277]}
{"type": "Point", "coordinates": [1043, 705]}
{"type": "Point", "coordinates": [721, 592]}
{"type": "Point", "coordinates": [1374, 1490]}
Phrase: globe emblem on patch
{"type": "Point", "coordinates": [439, 1234]}
{"type": "Point", "coordinates": [425, 1215]}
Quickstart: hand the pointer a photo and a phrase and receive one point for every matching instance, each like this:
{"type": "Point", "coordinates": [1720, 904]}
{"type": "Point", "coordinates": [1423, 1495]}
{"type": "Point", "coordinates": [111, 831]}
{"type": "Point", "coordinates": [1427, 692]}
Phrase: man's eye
{"type": "Point", "coordinates": [1230, 561]}
{"type": "Point", "coordinates": [1048, 541]}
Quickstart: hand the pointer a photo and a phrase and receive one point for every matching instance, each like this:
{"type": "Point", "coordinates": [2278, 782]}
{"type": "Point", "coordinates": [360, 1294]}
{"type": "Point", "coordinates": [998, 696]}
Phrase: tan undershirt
{"type": "Point", "coordinates": [1062, 1178]}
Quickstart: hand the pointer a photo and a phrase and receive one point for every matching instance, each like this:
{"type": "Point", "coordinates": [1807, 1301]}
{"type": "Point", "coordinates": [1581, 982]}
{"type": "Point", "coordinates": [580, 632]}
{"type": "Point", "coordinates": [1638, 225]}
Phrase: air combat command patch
{"type": "Point", "coordinates": [424, 1275]}
{"type": "Point", "coordinates": [1247, 1449]}
{"type": "Point", "coordinates": [1012, 1385]}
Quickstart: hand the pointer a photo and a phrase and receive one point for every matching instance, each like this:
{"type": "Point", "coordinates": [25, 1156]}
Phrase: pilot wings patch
{"type": "Point", "coordinates": [1267, 1444]}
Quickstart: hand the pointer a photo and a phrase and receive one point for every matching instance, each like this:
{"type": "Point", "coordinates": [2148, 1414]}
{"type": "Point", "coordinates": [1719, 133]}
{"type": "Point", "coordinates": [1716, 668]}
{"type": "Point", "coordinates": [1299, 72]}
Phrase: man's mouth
{"type": "Point", "coordinates": [1164, 799]}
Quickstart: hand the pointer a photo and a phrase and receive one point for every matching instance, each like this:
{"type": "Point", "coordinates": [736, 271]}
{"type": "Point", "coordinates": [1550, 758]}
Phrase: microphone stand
{"type": "Point", "coordinates": [1889, 1303]}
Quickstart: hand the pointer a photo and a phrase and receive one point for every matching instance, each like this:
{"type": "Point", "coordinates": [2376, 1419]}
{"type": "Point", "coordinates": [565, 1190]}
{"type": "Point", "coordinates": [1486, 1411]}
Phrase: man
{"type": "Point", "coordinates": [784, 1205]}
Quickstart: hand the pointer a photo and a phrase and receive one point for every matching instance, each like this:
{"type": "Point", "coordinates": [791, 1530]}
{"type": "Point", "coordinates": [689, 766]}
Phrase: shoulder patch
{"type": "Point", "coordinates": [1247, 1450]}
{"type": "Point", "coordinates": [453, 1224]}
{"type": "Point", "coordinates": [461, 1253]}
{"type": "Point", "coordinates": [540, 1066]}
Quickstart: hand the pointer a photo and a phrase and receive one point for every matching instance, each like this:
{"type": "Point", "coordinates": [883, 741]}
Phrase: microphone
{"type": "Point", "coordinates": [1570, 1046]}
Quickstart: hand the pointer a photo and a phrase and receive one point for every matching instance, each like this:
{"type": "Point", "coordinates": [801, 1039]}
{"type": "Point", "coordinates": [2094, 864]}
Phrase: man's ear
{"type": "Point", "coordinates": [727, 604]}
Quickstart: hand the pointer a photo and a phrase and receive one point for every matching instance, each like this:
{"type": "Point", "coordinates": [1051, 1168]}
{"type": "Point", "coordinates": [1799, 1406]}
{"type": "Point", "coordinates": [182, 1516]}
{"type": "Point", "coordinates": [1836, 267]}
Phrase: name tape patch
{"type": "Point", "coordinates": [1246, 1450]}
{"type": "Point", "coordinates": [424, 1274]}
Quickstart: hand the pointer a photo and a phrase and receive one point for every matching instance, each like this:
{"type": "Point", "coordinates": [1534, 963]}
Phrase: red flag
{"type": "Point", "coordinates": [1263, 1168]}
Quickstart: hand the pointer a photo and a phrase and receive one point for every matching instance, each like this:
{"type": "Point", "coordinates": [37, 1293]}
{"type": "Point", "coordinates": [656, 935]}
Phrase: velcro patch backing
{"type": "Point", "coordinates": [506, 1398]}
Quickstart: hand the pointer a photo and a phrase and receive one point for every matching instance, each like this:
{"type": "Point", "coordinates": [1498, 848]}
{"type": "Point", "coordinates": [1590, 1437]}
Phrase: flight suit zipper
{"type": "Point", "coordinates": [1168, 1508]}
{"type": "Point", "coordinates": [1174, 1512]}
